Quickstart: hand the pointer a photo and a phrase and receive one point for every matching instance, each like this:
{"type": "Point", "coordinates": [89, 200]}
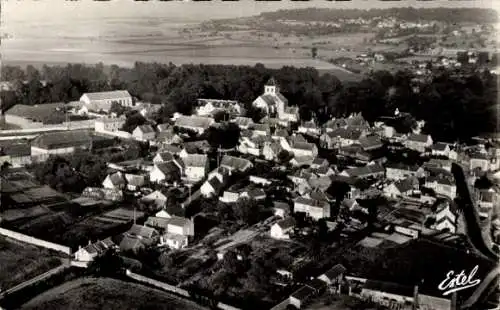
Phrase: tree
{"type": "Point", "coordinates": [108, 264]}
{"type": "Point", "coordinates": [117, 108]}
{"type": "Point", "coordinates": [314, 52]}
{"type": "Point", "coordinates": [133, 120]}
{"type": "Point", "coordinates": [246, 211]}
{"type": "Point", "coordinates": [225, 136]}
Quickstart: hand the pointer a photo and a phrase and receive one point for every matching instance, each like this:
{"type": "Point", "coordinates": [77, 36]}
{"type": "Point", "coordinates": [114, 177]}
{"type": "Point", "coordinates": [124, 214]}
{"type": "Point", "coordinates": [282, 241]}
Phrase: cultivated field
{"type": "Point", "coordinates": [104, 293]}
{"type": "Point", "coordinates": [20, 262]}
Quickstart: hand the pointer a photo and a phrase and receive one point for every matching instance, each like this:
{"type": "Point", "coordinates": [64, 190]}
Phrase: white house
{"type": "Point", "coordinates": [91, 251]}
{"type": "Point", "coordinates": [208, 107]}
{"type": "Point", "coordinates": [161, 171]}
{"type": "Point", "coordinates": [109, 124]}
{"type": "Point", "coordinates": [195, 166]}
{"type": "Point", "coordinates": [282, 229]}
{"type": "Point", "coordinates": [316, 209]}
{"type": "Point", "coordinates": [442, 186]}
{"type": "Point", "coordinates": [144, 133]}
{"type": "Point", "coordinates": [418, 142]}
{"type": "Point", "coordinates": [397, 171]}
{"type": "Point", "coordinates": [115, 181]}
{"type": "Point", "coordinates": [197, 124]}
{"type": "Point", "coordinates": [211, 187]}
{"type": "Point", "coordinates": [440, 149]}
{"type": "Point", "coordinates": [157, 197]}
{"type": "Point", "coordinates": [446, 219]}
{"type": "Point", "coordinates": [174, 241]}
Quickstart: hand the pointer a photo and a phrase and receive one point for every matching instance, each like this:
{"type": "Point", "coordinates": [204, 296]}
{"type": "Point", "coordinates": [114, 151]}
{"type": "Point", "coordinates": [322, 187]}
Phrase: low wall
{"type": "Point", "coordinates": [156, 283]}
{"type": "Point", "coordinates": [35, 241]}
{"type": "Point", "coordinates": [84, 124]}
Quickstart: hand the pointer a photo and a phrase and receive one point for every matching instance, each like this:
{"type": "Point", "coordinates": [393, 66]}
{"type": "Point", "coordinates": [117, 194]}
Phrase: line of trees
{"type": "Point", "coordinates": [454, 105]}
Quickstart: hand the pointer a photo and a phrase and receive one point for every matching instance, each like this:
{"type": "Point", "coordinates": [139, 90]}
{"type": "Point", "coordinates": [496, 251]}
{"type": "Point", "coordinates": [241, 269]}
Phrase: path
{"type": "Point", "coordinates": [492, 275]}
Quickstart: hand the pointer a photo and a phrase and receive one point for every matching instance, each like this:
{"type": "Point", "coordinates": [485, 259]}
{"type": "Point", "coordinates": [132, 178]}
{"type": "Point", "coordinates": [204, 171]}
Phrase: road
{"type": "Point", "coordinates": [474, 233]}
{"type": "Point", "coordinates": [31, 281]}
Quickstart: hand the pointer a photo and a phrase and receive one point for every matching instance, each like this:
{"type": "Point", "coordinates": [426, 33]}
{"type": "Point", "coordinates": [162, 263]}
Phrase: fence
{"type": "Point", "coordinates": [35, 241]}
{"type": "Point", "coordinates": [171, 288]}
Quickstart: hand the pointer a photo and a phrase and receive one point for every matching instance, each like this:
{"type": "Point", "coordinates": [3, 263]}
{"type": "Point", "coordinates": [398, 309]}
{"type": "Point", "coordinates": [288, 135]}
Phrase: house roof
{"type": "Point", "coordinates": [215, 183]}
{"type": "Point", "coordinates": [335, 271]}
{"type": "Point", "coordinates": [272, 82]}
{"type": "Point", "coordinates": [195, 160]}
{"type": "Point", "coordinates": [320, 161]}
{"type": "Point", "coordinates": [323, 170]}
{"type": "Point", "coordinates": [63, 139]}
{"type": "Point", "coordinates": [194, 121]}
{"type": "Point", "coordinates": [370, 141]}
{"type": "Point", "coordinates": [142, 231]}
{"type": "Point", "coordinates": [311, 202]}
{"type": "Point", "coordinates": [388, 287]}
{"type": "Point", "coordinates": [404, 186]}
{"type": "Point", "coordinates": [336, 123]}
{"type": "Point", "coordinates": [175, 237]}
{"type": "Point", "coordinates": [135, 179]}
{"type": "Point", "coordinates": [242, 121]}
{"type": "Point", "coordinates": [165, 156]}
{"type": "Point", "coordinates": [440, 180]}
{"type": "Point", "coordinates": [117, 179]}
{"type": "Point", "coordinates": [130, 243]}
{"type": "Point", "coordinates": [178, 221]}
{"type": "Point", "coordinates": [401, 166]}
{"type": "Point", "coordinates": [235, 162]}
{"type": "Point", "coordinates": [320, 195]}
{"type": "Point", "coordinates": [157, 222]}
{"type": "Point", "coordinates": [256, 192]}
{"type": "Point", "coordinates": [163, 127]}
{"type": "Point", "coordinates": [302, 145]}
{"type": "Point", "coordinates": [48, 113]}
{"type": "Point", "coordinates": [281, 133]}
{"type": "Point", "coordinates": [418, 138]}
{"type": "Point", "coordinates": [167, 168]}
{"type": "Point", "coordinates": [439, 146]}
{"type": "Point", "coordinates": [345, 133]}
{"type": "Point", "coordinates": [108, 95]}
{"type": "Point", "coordinates": [146, 128]}
{"type": "Point", "coordinates": [261, 127]}
{"type": "Point", "coordinates": [16, 149]}
{"type": "Point", "coordinates": [171, 149]}
{"type": "Point", "coordinates": [365, 170]}
{"type": "Point", "coordinates": [281, 205]}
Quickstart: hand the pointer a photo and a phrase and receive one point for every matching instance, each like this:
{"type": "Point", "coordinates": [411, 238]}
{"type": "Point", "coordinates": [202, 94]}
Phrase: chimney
{"type": "Point", "coordinates": [90, 242]}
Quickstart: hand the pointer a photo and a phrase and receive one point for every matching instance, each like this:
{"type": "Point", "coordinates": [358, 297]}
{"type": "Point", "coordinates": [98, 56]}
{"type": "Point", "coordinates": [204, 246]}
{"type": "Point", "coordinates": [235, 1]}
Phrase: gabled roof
{"type": "Point", "coordinates": [335, 271]}
{"type": "Point", "coordinates": [303, 293]}
{"type": "Point", "coordinates": [167, 168]}
{"type": "Point", "coordinates": [320, 195]}
{"type": "Point", "coordinates": [117, 179]}
{"type": "Point", "coordinates": [163, 127]}
{"type": "Point", "coordinates": [418, 138]}
{"type": "Point", "coordinates": [370, 142]}
{"type": "Point", "coordinates": [311, 202]}
{"type": "Point", "coordinates": [302, 145]}
{"type": "Point", "coordinates": [195, 160]}
{"type": "Point", "coordinates": [134, 179]}
{"type": "Point", "coordinates": [145, 128]}
{"type": "Point", "coordinates": [108, 95]}
{"type": "Point", "coordinates": [157, 222]}
{"type": "Point", "coordinates": [439, 146]}
{"type": "Point", "coordinates": [48, 113]}
{"type": "Point", "coordinates": [281, 205]}
{"type": "Point", "coordinates": [235, 162]}
{"type": "Point", "coordinates": [281, 133]}
{"type": "Point", "coordinates": [401, 166]}
{"type": "Point", "coordinates": [178, 221]}
{"type": "Point", "coordinates": [404, 186]}
{"type": "Point", "coordinates": [141, 231]}
{"type": "Point", "coordinates": [320, 161]}
{"type": "Point", "coordinates": [242, 121]}
{"type": "Point", "coordinates": [365, 170]}
{"type": "Point", "coordinates": [194, 121]}
{"type": "Point", "coordinates": [165, 156]}
{"type": "Point", "coordinates": [272, 82]}
{"type": "Point", "coordinates": [261, 127]}
{"type": "Point", "coordinates": [171, 149]}
{"type": "Point", "coordinates": [215, 183]}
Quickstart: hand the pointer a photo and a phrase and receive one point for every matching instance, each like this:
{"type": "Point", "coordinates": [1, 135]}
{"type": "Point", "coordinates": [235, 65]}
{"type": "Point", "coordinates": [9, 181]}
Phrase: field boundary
{"type": "Point", "coordinates": [35, 241]}
{"type": "Point", "coordinates": [171, 288]}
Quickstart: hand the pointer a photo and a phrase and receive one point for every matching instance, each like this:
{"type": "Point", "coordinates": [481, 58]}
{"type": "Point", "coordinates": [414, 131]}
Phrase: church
{"type": "Point", "coordinates": [275, 104]}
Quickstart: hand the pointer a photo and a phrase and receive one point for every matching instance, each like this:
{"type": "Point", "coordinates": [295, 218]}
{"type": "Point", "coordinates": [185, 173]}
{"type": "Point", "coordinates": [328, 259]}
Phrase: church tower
{"type": "Point", "coordinates": [271, 87]}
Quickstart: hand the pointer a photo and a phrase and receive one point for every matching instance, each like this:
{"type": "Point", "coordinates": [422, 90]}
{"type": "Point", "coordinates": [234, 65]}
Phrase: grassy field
{"type": "Point", "coordinates": [20, 262]}
{"type": "Point", "coordinates": [104, 293]}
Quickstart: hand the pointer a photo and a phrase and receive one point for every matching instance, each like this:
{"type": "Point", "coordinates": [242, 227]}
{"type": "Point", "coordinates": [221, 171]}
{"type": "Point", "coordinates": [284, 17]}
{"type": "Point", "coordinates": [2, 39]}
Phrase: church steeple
{"type": "Point", "coordinates": [271, 86]}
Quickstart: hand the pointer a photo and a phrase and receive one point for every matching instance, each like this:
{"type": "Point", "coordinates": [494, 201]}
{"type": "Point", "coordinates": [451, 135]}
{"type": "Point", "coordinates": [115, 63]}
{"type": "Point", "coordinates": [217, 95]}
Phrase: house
{"type": "Point", "coordinates": [387, 293]}
{"type": "Point", "coordinates": [341, 137]}
{"type": "Point", "coordinates": [230, 196]}
{"type": "Point", "coordinates": [446, 219]}
{"type": "Point", "coordinates": [334, 275]}
{"type": "Point", "coordinates": [418, 142]}
{"type": "Point", "coordinates": [232, 163]}
{"type": "Point", "coordinates": [168, 137]}
{"type": "Point", "coordinates": [324, 171]}
{"type": "Point", "coordinates": [93, 250]}
{"type": "Point", "coordinates": [195, 166]}
{"type": "Point", "coordinates": [440, 149]}
{"type": "Point", "coordinates": [138, 237]}
{"type": "Point", "coordinates": [401, 188]}
{"type": "Point", "coordinates": [301, 148]}
{"type": "Point", "coordinates": [310, 128]}
{"type": "Point", "coordinates": [163, 127]}
{"type": "Point", "coordinates": [144, 133]}
{"type": "Point", "coordinates": [479, 161]}
{"type": "Point", "coordinates": [301, 296]}
{"type": "Point", "coordinates": [300, 161]}
{"type": "Point", "coordinates": [243, 122]}
{"type": "Point", "coordinates": [281, 209]}
{"type": "Point", "coordinates": [282, 229]}
{"type": "Point", "coordinates": [274, 104]}
{"type": "Point", "coordinates": [172, 149]}
{"type": "Point", "coordinates": [36, 116]}
{"type": "Point", "coordinates": [17, 154]}
{"type": "Point", "coordinates": [221, 173]}
{"type": "Point", "coordinates": [164, 171]}
{"type": "Point", "coordinates": [442, 186]}
{"type": "Point", "coordinates": [156, 197]}
{"type": "Point", "coordinates": [148, 110]}
{"type": "Point", "coordinates": [60, 143]}
{"type": "Point", "coordinates": [370, 143]}
{"type": "Point", "coordinates": [398, 171]}
{"type": "Point", "coordinates": [209, 107]}
{"type": "Point", "coordinates": [98, 193]}
{"type": "Point", "coordinates": [316, 209]}
{"type": "Point", "coordinates": [104, 100]}
{"type": "Point", "coordinates": [434, 163]}
{"type": "Point", "coordinates": [253, 194]}
{"type": "Point", "coordinates": [211, 187]}
{"type": "Point", "coordinates": [197, 124]}
{"type": "Point", "coordinates": [163, 157]}
{"type": "Point", "coordinates": [115, 181]}
{"type": "Point", "coordinates": [261, 130]}
{"type": "Point", "coordinates": [334, 124]}
{"type": "Point", "coordinates": [174, 241]}
{"type": "Point", "coordinates": [135, 181]}
{"type": "Point", "coordinates": [368, 171]}
{"type": "Point", "coordinates": [407, 228]}
{"type": "Point", "coordinates": [250, 145]}
{"type": "Point", "coordinates": [106, 124]}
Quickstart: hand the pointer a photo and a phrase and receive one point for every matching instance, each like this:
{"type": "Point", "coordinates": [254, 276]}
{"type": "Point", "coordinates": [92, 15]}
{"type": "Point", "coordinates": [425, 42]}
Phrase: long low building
{"type": "Point", "coordinates": [36, 116]}
{"type": "Point", "coordinates": [64, 142]}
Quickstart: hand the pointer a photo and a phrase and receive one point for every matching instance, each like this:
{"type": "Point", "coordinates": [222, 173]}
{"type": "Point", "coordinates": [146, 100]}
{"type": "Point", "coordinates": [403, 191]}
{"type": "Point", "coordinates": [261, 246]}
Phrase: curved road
{"type": "Point", "coordinates": [474, 233]}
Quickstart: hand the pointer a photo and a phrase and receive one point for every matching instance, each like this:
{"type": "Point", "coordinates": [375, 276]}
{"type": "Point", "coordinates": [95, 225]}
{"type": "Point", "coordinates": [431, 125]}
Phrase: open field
{"type": "Point", "coordinates": [20, 262]}
{"type": "Point", "coordinates": [105, 293]}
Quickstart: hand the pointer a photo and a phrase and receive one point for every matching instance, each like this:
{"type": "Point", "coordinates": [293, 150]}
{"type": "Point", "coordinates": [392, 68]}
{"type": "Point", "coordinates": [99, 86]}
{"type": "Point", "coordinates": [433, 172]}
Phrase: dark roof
{"type": "Point", "coordinates": [370, 142]}
{"type": "Point", "coordinates": [335, 271]}
{"type": "Point", "coordinates": [303, 293]}
{"type": "Point", "coordinates": [168, 167]}
{"type": "Point", "coordinates": [388, 287]}
{"type": "Point", "coordinates": [404, 185]}
{"type": "Point", "coordinates": [316, 284]}
{"type": "Point", "coordinates": [130, 243]}
{"type": "Point", "coordinates": [271, 82]}
{"type": "Point", "coordinates": [16, 149]}
{"type": "Point", "coordinates": [146, 128]}
{"type": "Point", "coordinates": [49, 113]}
{"type": "Point", "coordinates": [439, 146]}
{"type": "Point", "coordinates": [281, 205]}
{"type": "Point", "coordinates": [215, 183]}
{"type": "Point", "coordinates": [142, 231]}
{"type": "Point", "coordinates": [235, 162]}
{"type": "Point", "coordinates": [63, 139]}
{"type": "Point", "coordinates": [418, 138]}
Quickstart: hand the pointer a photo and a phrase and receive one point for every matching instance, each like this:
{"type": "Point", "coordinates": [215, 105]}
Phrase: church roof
{"type": "Point", "coordinates": [272, 82]}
